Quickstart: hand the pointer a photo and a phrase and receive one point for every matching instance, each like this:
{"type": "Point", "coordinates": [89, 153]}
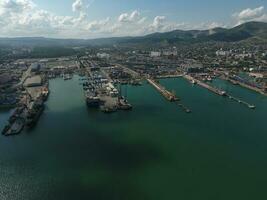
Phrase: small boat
{"type": "Point", "coordinates": [209, 79]}
{"type": "Point", "coordinates": [223, 93]}
{"type": "Point", "coordinates": [193, 82]}
{"type": "Point", "coordinates": [252, 106]}
{"type": "Point", "coordinates": [188, 111]}
{"type": "Point", "coordinates": [67, 77]}
{"type": "Point", "coordinates": [45, 93]}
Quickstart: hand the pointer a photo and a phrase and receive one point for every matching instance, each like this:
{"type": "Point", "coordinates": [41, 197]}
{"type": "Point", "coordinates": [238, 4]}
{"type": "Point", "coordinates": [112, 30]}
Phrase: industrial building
{"type": "Point", "coordinates": [33, 81]}
{"type": "Point", "coordinates": [155, 54]}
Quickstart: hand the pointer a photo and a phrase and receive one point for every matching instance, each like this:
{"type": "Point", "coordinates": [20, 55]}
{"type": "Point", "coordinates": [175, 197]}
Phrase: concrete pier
{"type": "Point", "coordinates": [205, 85]}
{"type": "Point", "coordinates": [167, 94]}
{"type": "Point", "coordinates": [241, 101]}
{"type": "Point", "coordinates": [236, 82]}
{"type": "Point", "coordinates": [218, 91]}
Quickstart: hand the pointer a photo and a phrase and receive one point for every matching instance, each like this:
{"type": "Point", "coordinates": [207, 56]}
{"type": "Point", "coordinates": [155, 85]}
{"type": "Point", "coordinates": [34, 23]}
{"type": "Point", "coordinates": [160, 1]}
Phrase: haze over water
{"type": "Point", "coordinates": [156, 151]}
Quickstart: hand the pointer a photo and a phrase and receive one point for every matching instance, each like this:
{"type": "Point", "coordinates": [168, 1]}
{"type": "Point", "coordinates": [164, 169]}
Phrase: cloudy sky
{"type": "Point", "coordinates": [107, 18]}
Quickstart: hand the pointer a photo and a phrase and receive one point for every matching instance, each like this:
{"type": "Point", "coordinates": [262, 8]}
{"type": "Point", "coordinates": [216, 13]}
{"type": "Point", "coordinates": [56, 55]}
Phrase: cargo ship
{"type": "Point", "coordinates": [92, 100]}
{"type": "Point", "coordinates": [14, 128]}
{"type": "Point", "coordinates": [35, 110]}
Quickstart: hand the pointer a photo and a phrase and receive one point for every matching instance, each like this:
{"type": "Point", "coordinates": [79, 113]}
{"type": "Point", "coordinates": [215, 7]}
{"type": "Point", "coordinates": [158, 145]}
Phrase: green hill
{"type": "Point", "coordinates": [251, 31]}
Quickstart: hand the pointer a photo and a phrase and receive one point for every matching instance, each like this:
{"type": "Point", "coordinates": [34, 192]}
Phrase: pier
{"type": "Point", "coordinates": [244, 85]}
{"type": "Point", "coordinates": [205, 85]}
{"type": "Point", "coordinates": [168, 95]}
{"type": "Point", "coordinates": [184, 108]}
{"type": "Point", "coordinates": [218, 91]}
{"type": "Point", "coordinates": [241, 101]}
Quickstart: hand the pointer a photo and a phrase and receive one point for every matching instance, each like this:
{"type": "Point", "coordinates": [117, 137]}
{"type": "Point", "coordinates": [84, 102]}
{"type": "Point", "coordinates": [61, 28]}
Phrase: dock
{"type": "Point", "coordinates": [168, 95]}
{"type": "Point", "coordinates": [241, 101]}
{"type": "Point", "coordinates": [184, 108]}
{"type": "Point", "coordinates": [219, 92]}
{"type": "Point", "coordinates": [244, 85]}
{"type": "Point", "coordinates": [205, 85]}
{"type": "Point", "coordinates": [170, 76]}
{"type": "Point", "coordinates": [129, 70]}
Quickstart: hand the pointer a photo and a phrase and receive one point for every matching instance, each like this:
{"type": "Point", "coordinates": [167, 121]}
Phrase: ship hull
{"type": "Point", "coordinates": [93, 103]}
{"type": "Point", "coordinates": [30, 122]}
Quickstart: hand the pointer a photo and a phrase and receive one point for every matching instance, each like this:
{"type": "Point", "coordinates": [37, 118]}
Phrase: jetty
{"type": "Point", "coordinates": [218, 91]}
{"type": "Point", "coordinates": [241, 101]}
{"type": "Point", "coordinates": [244, 85]}
{"type": "Point", "coordinates": [205, 85]}
{"type": "Point", "coordinates": [168, 95]}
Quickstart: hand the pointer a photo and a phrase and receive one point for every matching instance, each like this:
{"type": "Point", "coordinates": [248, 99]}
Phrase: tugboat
{"type": "Point", "coordinates": [223, 93]}
{"type": "Point", "coordinates": [252, 106]}
{"type": "Point", "coordinates": [194, 82]}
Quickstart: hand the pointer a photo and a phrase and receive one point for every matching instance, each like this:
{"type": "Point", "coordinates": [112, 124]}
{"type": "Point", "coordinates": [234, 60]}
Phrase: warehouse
{"type": "Point", "coordinates": [34, 81]}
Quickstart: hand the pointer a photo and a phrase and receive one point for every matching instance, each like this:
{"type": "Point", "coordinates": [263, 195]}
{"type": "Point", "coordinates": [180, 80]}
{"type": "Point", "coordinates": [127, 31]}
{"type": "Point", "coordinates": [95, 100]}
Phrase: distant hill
{"type": "Point", "coordinates": [242, 32]}
{"type": "Point", "coordinates": [248, 31]}
{"type": "Point", "coordinates": [239, 33]}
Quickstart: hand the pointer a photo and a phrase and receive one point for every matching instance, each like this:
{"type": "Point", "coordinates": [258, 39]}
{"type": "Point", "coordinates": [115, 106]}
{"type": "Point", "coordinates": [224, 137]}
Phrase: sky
{"type": "Point", "coordinates": [108, 18]}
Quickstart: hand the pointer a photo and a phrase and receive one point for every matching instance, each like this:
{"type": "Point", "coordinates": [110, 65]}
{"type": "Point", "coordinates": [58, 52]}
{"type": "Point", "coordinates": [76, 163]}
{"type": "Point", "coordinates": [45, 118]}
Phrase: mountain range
{"type": "Point", "coordinates": [249, 31]}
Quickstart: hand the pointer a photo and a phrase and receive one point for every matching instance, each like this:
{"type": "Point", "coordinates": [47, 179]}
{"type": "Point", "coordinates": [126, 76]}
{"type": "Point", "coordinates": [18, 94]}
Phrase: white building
{"type": "Point", "coordinates": [170, 53]}
{"type": "Point", "coordinates": [103, 55]}
{"type": "Point", "coordinates": [155, 54]}
{"type": "Point", "coordinates": [222, 53]}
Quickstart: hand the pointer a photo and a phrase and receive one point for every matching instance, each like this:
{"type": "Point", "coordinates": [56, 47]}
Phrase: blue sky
{"type": "Point", "coordinates": [183, 10]}
{"type": "Point", "coordinates": [104, 18]}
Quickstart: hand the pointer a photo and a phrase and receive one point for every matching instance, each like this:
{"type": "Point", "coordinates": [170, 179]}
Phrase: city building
{"type": "Point", "coordinates": [35, 67]}
{"type": "Point", "coordinates": [155, 54]}
{"type": "Point", "coordinates": [103, 55]}
{"type": "Point", "coordinates": [34, 81]}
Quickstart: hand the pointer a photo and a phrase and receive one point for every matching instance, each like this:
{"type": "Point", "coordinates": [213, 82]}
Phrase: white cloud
{"type": "Point", "coordinates": [123, 17]}
{"type": "Point", "coordinates": [158, 23]}
{"type": "Point", "coordinates": [25, 18]}
{"type": "Point", "coordinates": [142, 20]}
{"type": "Point", "coordinates": [98, 25]}
{"type": "Point", "coordinates": [77, 6]}
{"type": "Point", "coordinates": [249, 14]}
{"type": "Point", "coordinates": [135, 15]}
{"type": "Point", "coordinates": [129, 17]}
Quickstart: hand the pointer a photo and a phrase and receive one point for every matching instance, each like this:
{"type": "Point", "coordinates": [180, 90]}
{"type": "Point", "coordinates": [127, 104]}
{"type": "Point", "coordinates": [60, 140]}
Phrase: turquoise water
{"type": "Point", "coordinates": [155, 151]}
